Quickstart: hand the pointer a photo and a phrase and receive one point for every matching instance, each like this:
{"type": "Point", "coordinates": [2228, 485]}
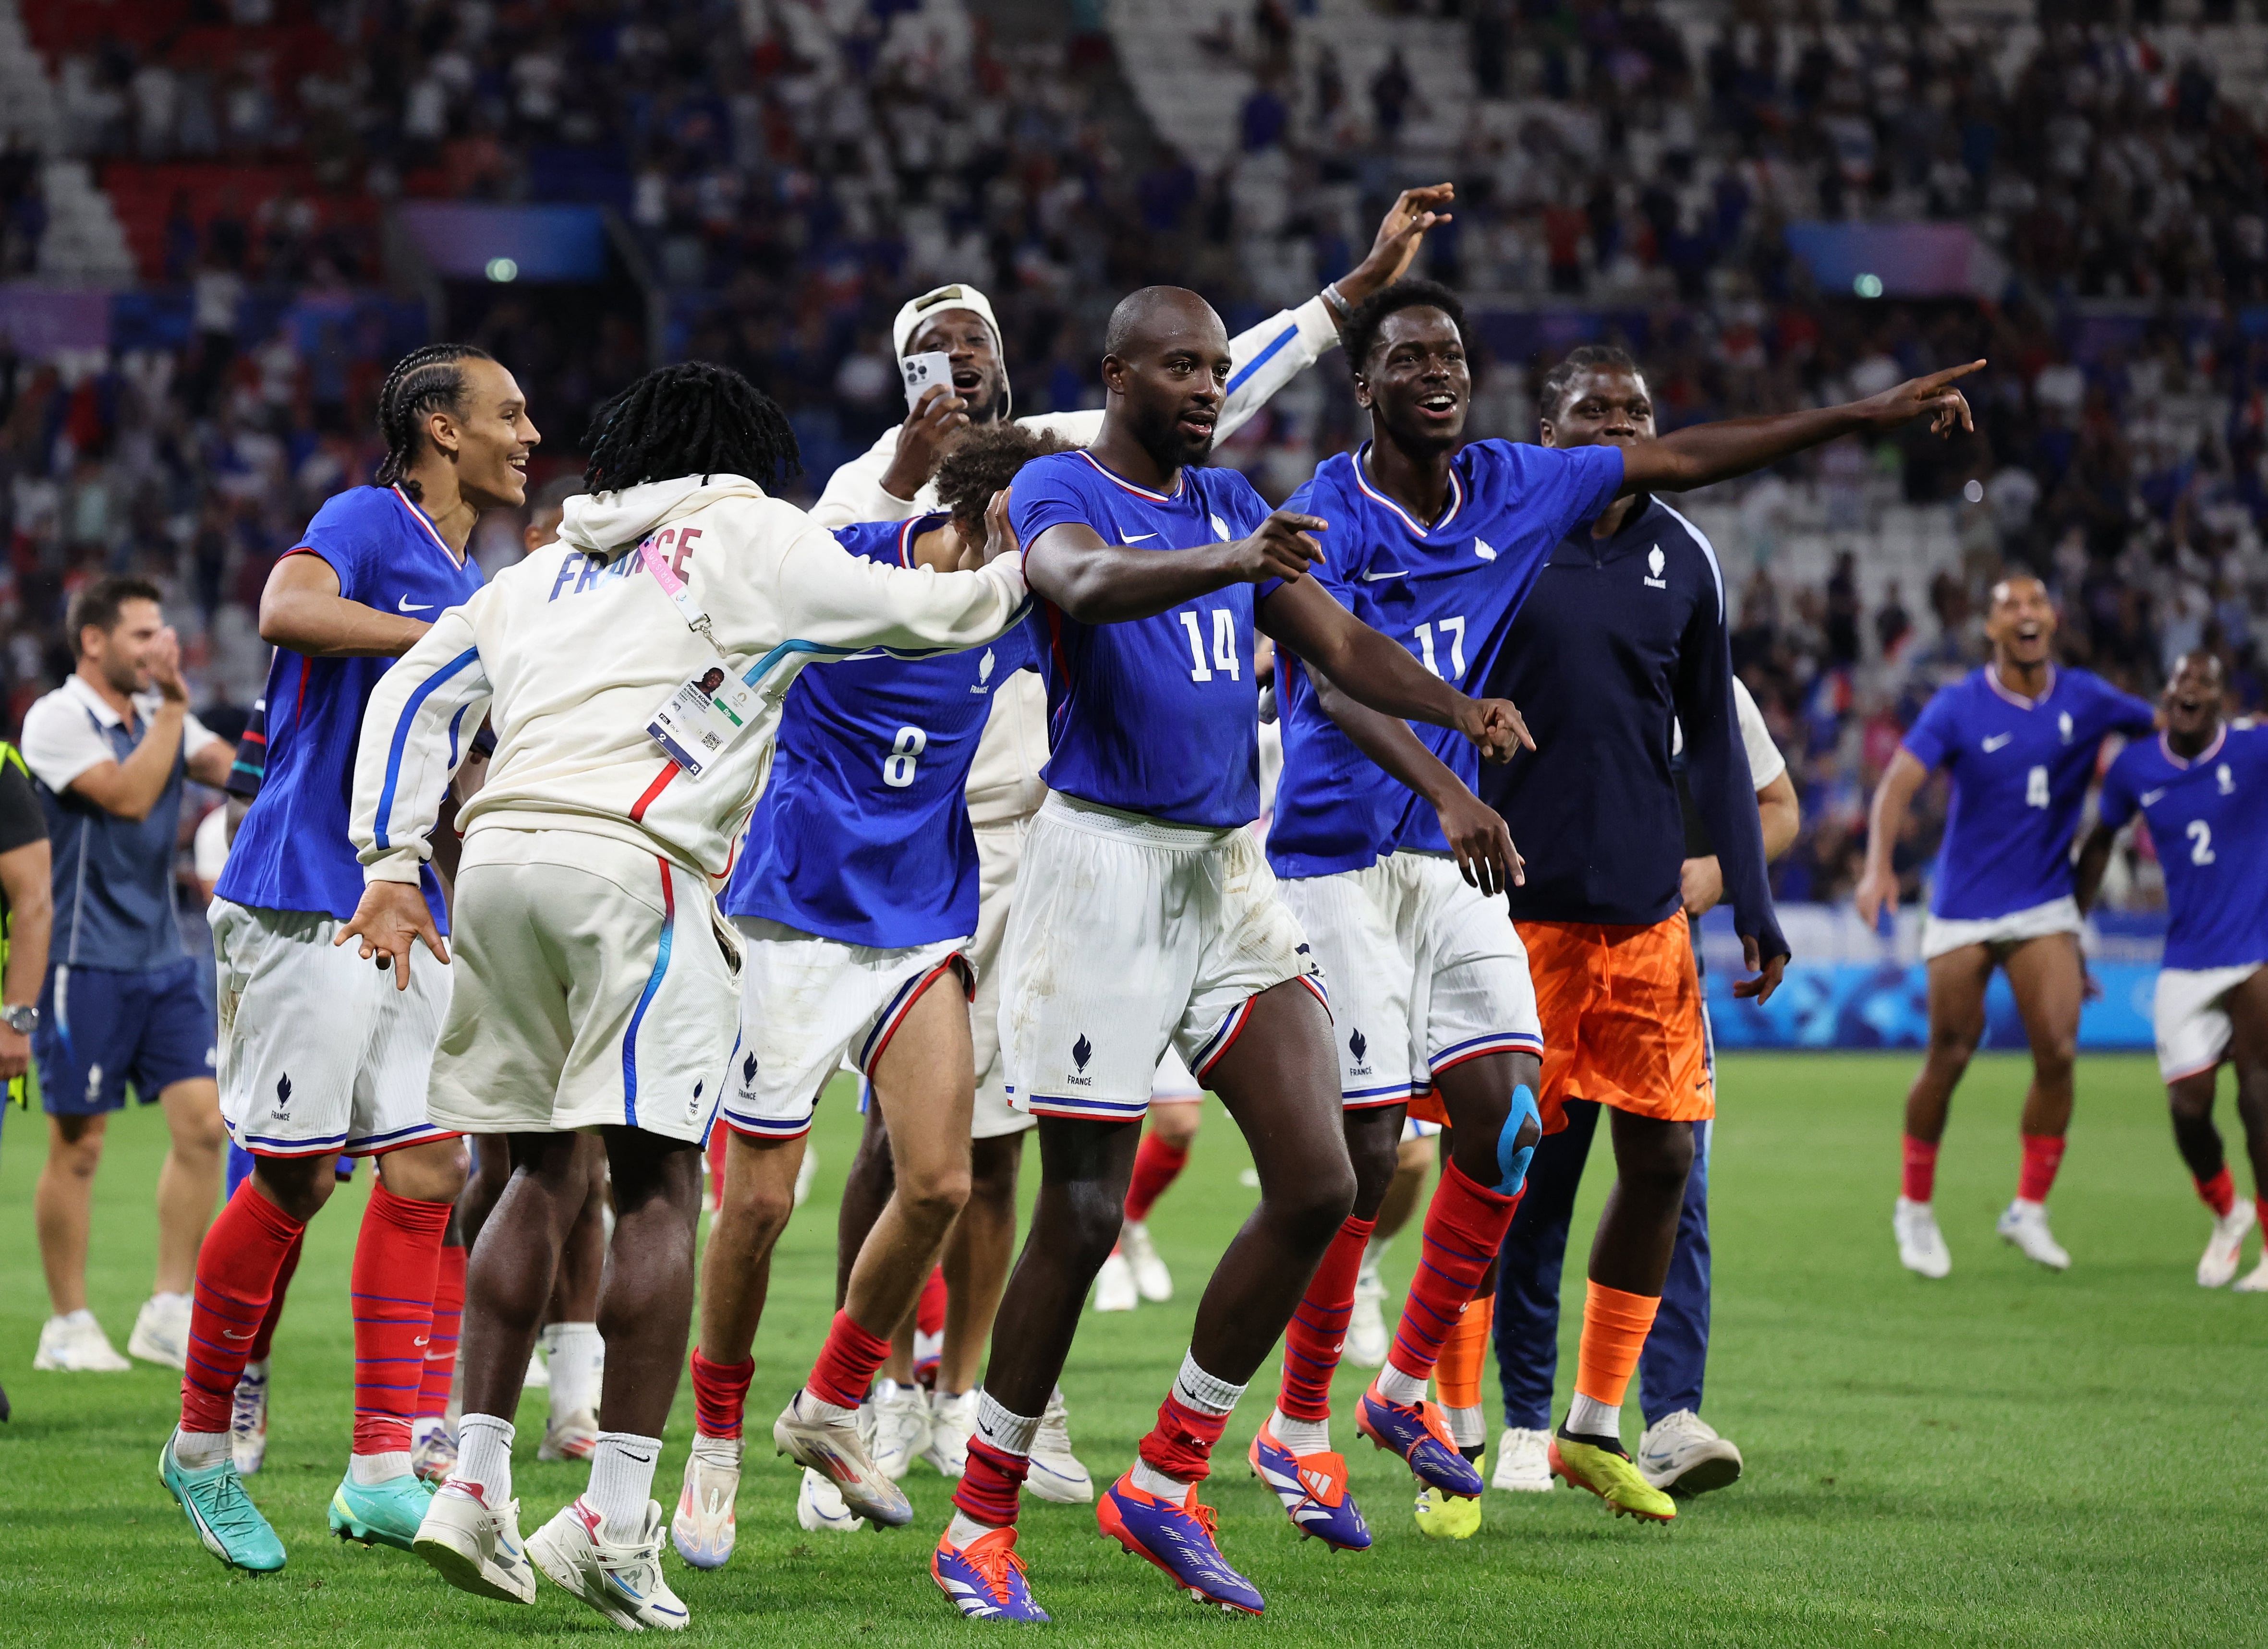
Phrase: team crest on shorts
{"type": "Point", "coordinates": [283, 1092]}
{"type": "Point", "coordinates": [1081, 1052]}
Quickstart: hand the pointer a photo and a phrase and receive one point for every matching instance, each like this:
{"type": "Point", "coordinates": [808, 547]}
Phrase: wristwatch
{"type": "Point", "coordinates": [22, 1021]}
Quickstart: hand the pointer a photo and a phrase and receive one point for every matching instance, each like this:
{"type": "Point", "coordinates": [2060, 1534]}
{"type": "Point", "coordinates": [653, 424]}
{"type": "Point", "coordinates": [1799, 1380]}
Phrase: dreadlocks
{"type": "Point", "coordinates": [986, 460]}
{"type": "Point", "coordinates": [421, 381]}
{"type": "Point", "coordinates": [692, 419]}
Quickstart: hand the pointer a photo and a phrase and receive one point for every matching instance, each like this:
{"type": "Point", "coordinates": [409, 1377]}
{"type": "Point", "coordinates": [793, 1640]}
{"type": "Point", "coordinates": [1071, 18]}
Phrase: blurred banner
{"type": "Point", "coordinates": [1850, 988]}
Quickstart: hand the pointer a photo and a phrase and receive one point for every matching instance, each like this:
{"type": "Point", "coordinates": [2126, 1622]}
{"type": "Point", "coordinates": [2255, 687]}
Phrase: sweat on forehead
{"type": "Point", "coordinates": [1146, 318]}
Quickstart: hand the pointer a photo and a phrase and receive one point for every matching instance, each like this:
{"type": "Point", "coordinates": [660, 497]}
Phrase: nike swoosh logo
{"type": "Point", "coordinates": [643, 1460]}
{"type": "Point", "coordinates": [1137, 537]}
{"type": "Point", "coordinates": [1996, 741]}
{"type": "Point", "coordinates": [231, 1334]}
{"type": "Point", "coordinates": [410, 606]}
{"type": "Point", "coordinates": [1399, 572]}
{"type": "Point", "coordinates": [2149, 796]}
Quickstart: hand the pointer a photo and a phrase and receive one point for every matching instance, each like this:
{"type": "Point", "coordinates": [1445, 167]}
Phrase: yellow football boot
{"type": "Point", "coordinates": [1609, 1473]}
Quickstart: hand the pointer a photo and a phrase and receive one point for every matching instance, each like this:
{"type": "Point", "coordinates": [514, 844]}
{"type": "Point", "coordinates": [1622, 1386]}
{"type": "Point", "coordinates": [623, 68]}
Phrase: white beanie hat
{"type": "Point", "coordinates": [917, 310]}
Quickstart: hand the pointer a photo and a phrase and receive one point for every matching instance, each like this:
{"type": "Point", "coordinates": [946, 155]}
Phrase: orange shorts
{"type": "Point", "coordinates": [1621, 1008]}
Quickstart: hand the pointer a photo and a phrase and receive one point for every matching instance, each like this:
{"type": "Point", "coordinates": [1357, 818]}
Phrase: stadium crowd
{"type": "Point", "coordinates": [789, 186]}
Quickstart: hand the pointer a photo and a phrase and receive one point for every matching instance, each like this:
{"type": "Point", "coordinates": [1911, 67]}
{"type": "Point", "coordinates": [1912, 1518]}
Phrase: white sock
{"type": "Point", "coordinates": [718, 1451]}
{"type": "Point", "coordinates": [369, 1469]}
{"type": "Point", "coordinates": [2025, 1204]}
{"type": "Point", "coordinates": [1398, 1387]}
{"type": "Point", "coordinates": [196, 1450]}
{"type": "Point", "coordinates": [80, 1318]}
{"type": "Point", "coordinates": [1301, 1437]}
{"type": "Point", "coordinates": [1010, 1433]}
{"type": "Point", "coordinates": [1207, 1394]}
{"type": "Point", "coordinates": [1150, 1480]}
{"type": "Point", "coordinates": [484, 1457]}
{"type": "Point", "coordinates": [810, 1408]}
{"type": "Point", "coordinates": [622, 1483]}
{"type": "Point", "coordinates": [1468, 1427]}
{"type": "Point", "coordinates": [1587, 1417]}
{"type": "Point", "coordinates": [966, 1528]}
{"type": "Point", "coordinates": [573, 1349]}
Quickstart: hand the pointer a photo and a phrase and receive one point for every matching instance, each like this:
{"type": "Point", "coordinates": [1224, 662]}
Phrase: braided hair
{"type": "Point", "coordinates": [695, 418]}
{"type": "Point", "coordinates": [422, 380]}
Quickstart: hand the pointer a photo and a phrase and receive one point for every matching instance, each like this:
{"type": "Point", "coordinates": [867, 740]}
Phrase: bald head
{"type": "Point", "coordinates": [1165, 369]}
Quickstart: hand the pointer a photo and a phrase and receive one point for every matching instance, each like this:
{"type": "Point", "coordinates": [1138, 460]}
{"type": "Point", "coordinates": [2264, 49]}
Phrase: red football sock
{"type": "Point", "coordinates": [1464, 1227]}
{"type": "Point", "coordinates": [2043, 1156]}
{"type": "Point", "coordinates": [1158, 1163]}
{"type": "Point", "coordinates": [1920, 1181]}
{"type": "Point", "coordinates": [264, 1342]}
{"type": "Point", "coordinates": [846, 1363]}
{"type": "Point", "coordinates": [988, 1489]}
{"type": "Point", "coordinates": [1181, 1444]}
{"type": "Point", "coordinates": [929, 1310]}
{"type": "Point", "coordinates": [441, 1339]}
{"type": "Point", "coordinates": [721, 1395]}
{"type": "Point", "coordinates": [2260, 1207]}
{"type": "Point", "coordinates": [2218, 1192]}
{"type": "Point", "coordinates": [236, 1267]}
{"type": "Point", "coordinates": [1317, 1332]}
{"type": "Point", "coordinates": [397, 1264]}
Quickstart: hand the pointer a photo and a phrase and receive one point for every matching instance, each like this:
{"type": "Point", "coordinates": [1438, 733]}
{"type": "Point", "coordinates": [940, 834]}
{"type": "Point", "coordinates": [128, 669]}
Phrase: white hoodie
{"type": "Point", "coordinates": [569, 654]}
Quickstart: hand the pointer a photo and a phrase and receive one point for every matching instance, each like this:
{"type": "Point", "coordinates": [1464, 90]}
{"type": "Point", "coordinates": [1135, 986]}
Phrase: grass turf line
{"type": "Point", "coordinates": [2005, 1457]}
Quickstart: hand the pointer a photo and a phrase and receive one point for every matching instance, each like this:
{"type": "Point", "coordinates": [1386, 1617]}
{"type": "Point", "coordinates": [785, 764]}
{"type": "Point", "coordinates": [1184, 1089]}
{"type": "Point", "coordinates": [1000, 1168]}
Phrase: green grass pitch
{"type": "Point", "coordinates": [2007, 1457]}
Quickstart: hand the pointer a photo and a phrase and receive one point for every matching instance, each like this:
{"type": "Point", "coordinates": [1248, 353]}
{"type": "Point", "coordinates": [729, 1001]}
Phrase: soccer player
{"type": "Point", "coordinates": [1680, 1453]}
{"type": "Point", "coordinates": [2020, 737]}
{"type": "Point", "coordinates": [121, 1003]}
{"type": "Point", "coordinates": [597, 988]}
{"type": "Point", "coordinates": [318, 1057]}
{"type": "Point", "coordinates": [855, 898]}
{"type": "Point", "coordinates": [1145, 914]}
{"type": "Point", "coordinates": [2202, 784]}
{"type": "Point", "coordinates": [1134, 1271]}
{"type": "Point", "coordinates": [1437, 543]}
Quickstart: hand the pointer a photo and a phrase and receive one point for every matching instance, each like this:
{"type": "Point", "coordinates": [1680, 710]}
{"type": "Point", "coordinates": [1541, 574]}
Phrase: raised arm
{"type": "Point", "coordinates": [300, 608]}
{"type": "Point", "coordinates": [1095, 583]}
{"type": "Point", "coordinates": [1700, 454]}
{"type": "Point", "coordinates": [1378, 671]}
{"type": "Point", "coordinates": [1878, 887]}
{"type": "Point", "coordinates": [1476, 833]}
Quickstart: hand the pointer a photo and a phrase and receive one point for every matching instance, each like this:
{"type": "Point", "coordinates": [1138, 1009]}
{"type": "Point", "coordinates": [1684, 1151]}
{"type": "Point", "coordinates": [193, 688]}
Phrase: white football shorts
{"type": "Point", "coordinates": [809, 1004]}
{"type": "Point", "coordinates": [999, 850]}
{"type": "Point", "coordinates": [1427, 972]}
{"type": "Point", "coordinates": [1129, 935]}
{"type": "Point", "coordinates": [595, 985]}
{"type": "Point", "coordinates": [319, 1053]}
{"type": "Point", "coordinates": [1941, 933]}
{"type": "Point", "coordinates": [2191, 1018]}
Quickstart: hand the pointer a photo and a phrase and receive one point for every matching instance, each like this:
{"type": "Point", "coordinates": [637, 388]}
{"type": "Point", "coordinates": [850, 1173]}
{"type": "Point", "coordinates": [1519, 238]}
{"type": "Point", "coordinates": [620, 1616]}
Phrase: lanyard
{"type": "Point", "coordinates": [695, 616]}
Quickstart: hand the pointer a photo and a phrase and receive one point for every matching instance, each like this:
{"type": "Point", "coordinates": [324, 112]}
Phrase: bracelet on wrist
{"type": "Point", "coordinates": [1335, 300]}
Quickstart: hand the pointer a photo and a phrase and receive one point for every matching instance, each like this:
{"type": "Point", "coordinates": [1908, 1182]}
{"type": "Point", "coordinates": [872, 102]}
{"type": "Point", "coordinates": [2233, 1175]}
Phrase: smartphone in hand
{"type": "Point", "coordinates": [923, 371]}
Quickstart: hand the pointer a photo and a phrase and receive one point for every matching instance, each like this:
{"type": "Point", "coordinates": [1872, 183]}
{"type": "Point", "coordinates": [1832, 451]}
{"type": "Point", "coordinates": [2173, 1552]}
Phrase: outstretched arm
{"type": "Point", "coordinates": [1476, 833]}
{"type": "Point", "coordinates": [1699, 454]}
{"type": "Point", "coordinates": [1378, 671]}
{"type": "Point", "coordinates": [1878, 887]}
{"type": "Point", "coordinates": [1095, 583]}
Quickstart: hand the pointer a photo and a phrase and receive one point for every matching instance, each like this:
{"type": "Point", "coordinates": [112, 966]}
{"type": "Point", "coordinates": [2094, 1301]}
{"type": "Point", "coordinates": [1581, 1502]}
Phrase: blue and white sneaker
{"type": "Point", "coordinates": [624, 1583]}
{"type": "Point", "coordinates": [227, 1523]}
{"type": "Point", "coordinates": [1314, 1490]}
{"type": "Point", "coordinates": [380, 1514]}
{"type": "Point", "coordinates": [247, 1419]}
{"type": "Point", "coordinates": [476, 1547]}
{"type": "Point", "coordinates": [1420, 1436]}
{"type": "Point", "coordinates": [985, 1578]}
{"type": "Point", "coordinates": [1179, 1539]}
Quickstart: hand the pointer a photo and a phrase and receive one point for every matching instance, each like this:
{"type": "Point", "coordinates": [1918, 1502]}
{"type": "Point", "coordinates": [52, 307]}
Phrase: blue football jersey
{"type": "Point", "coordinates": [863, 833]}
{"type": "Point", "coordinates": [2021, 769]}
{"type": "Point", "coordinates": [292, 853]}
{"type": "Point", "coordinates": [1158, 715]}
{"type": "Point", "coordinates": [2209, 819]}
{"type": "Point", "coordinates": [1448, 592]}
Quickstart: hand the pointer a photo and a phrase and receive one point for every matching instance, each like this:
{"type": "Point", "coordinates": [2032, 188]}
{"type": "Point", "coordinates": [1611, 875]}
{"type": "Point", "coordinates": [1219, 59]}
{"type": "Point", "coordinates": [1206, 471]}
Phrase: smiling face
{"type": "Point", "coordinates": [2020, 621]}
{"type": "Point", "coordinates": [1417, 383]}
{"type": "Point", "coordinates": [122, 652]}
{"type": "Point", "coordinates": [1171, 375]}
{"type": "Point", "coordinates": [2194, 698]}
{"type": "Point", "coordinates": [1603, 406]}
{"type": "Point", "coordinates": [979, 376]}
{"type": "Point", "coordinates": [490, 435]}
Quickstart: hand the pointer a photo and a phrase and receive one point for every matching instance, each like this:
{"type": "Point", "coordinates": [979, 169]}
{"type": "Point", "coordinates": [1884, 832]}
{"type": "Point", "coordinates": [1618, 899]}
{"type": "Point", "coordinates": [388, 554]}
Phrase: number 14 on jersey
{"type": "Point", "coordinates": [1224, 652]}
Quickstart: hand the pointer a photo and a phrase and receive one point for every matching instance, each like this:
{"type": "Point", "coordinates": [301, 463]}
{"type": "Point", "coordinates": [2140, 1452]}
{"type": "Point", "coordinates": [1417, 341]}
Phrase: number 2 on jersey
{"type": "Point", "coordinates": [2036, 788]}
{"type": "Point", "coordinates": [1224, 645]}
{"type": "Point", "coordinates": [2200, 835]}
{"type": "Point", "coordinates": [905, 752]}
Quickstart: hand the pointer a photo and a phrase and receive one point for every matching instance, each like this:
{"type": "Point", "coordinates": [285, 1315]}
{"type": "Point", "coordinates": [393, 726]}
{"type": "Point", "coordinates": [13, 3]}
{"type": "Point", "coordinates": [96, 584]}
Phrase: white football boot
{"type": "Point", "coordinates": [900, 1427]}
{"type": "Point", "coordinates": [2225, 1249]}
{"type": "Point", "coordinates": [1921, 1246]}
{"type": "Point", "coordinates": [623, 1582]}
{"type": "Point", "coordinates": [1366, 1331]}
{"type": "Point", "coordinates": [1152, 1281]}
{"type": "Point", "coordinates": [1055, 1473]}
{"type": "Point", "coordinates": [247, 1419]}
{"type": "Point", "coordinates": [2023, 1226]}
{"type": "Point", "coordinates": [76, 1344]}
{"type": "Point", "coordinates": [1523, 1461]}
{"type": "Point", "coordinates": [819, 1507]}
{"type": "Point", "coordinates": [2256, 1282]}
{"type": "Point", "coordinates": [705, 1530]}
{"type": "Point", "coordinates": [831, 1445]}
{"type": "Point", "coordinates": [952, 1422]}
{"type": "Point", "coordinates": [161, 1332]}
{"type": "Point", "coordinates": [1113, 1284]}
{"type": "Point", "coordinates": [474, 1547]}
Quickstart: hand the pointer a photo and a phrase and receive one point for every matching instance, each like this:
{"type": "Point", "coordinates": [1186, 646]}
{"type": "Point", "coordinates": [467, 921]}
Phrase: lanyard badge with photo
{"type": "Point", "coordinates": [708, 710]}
